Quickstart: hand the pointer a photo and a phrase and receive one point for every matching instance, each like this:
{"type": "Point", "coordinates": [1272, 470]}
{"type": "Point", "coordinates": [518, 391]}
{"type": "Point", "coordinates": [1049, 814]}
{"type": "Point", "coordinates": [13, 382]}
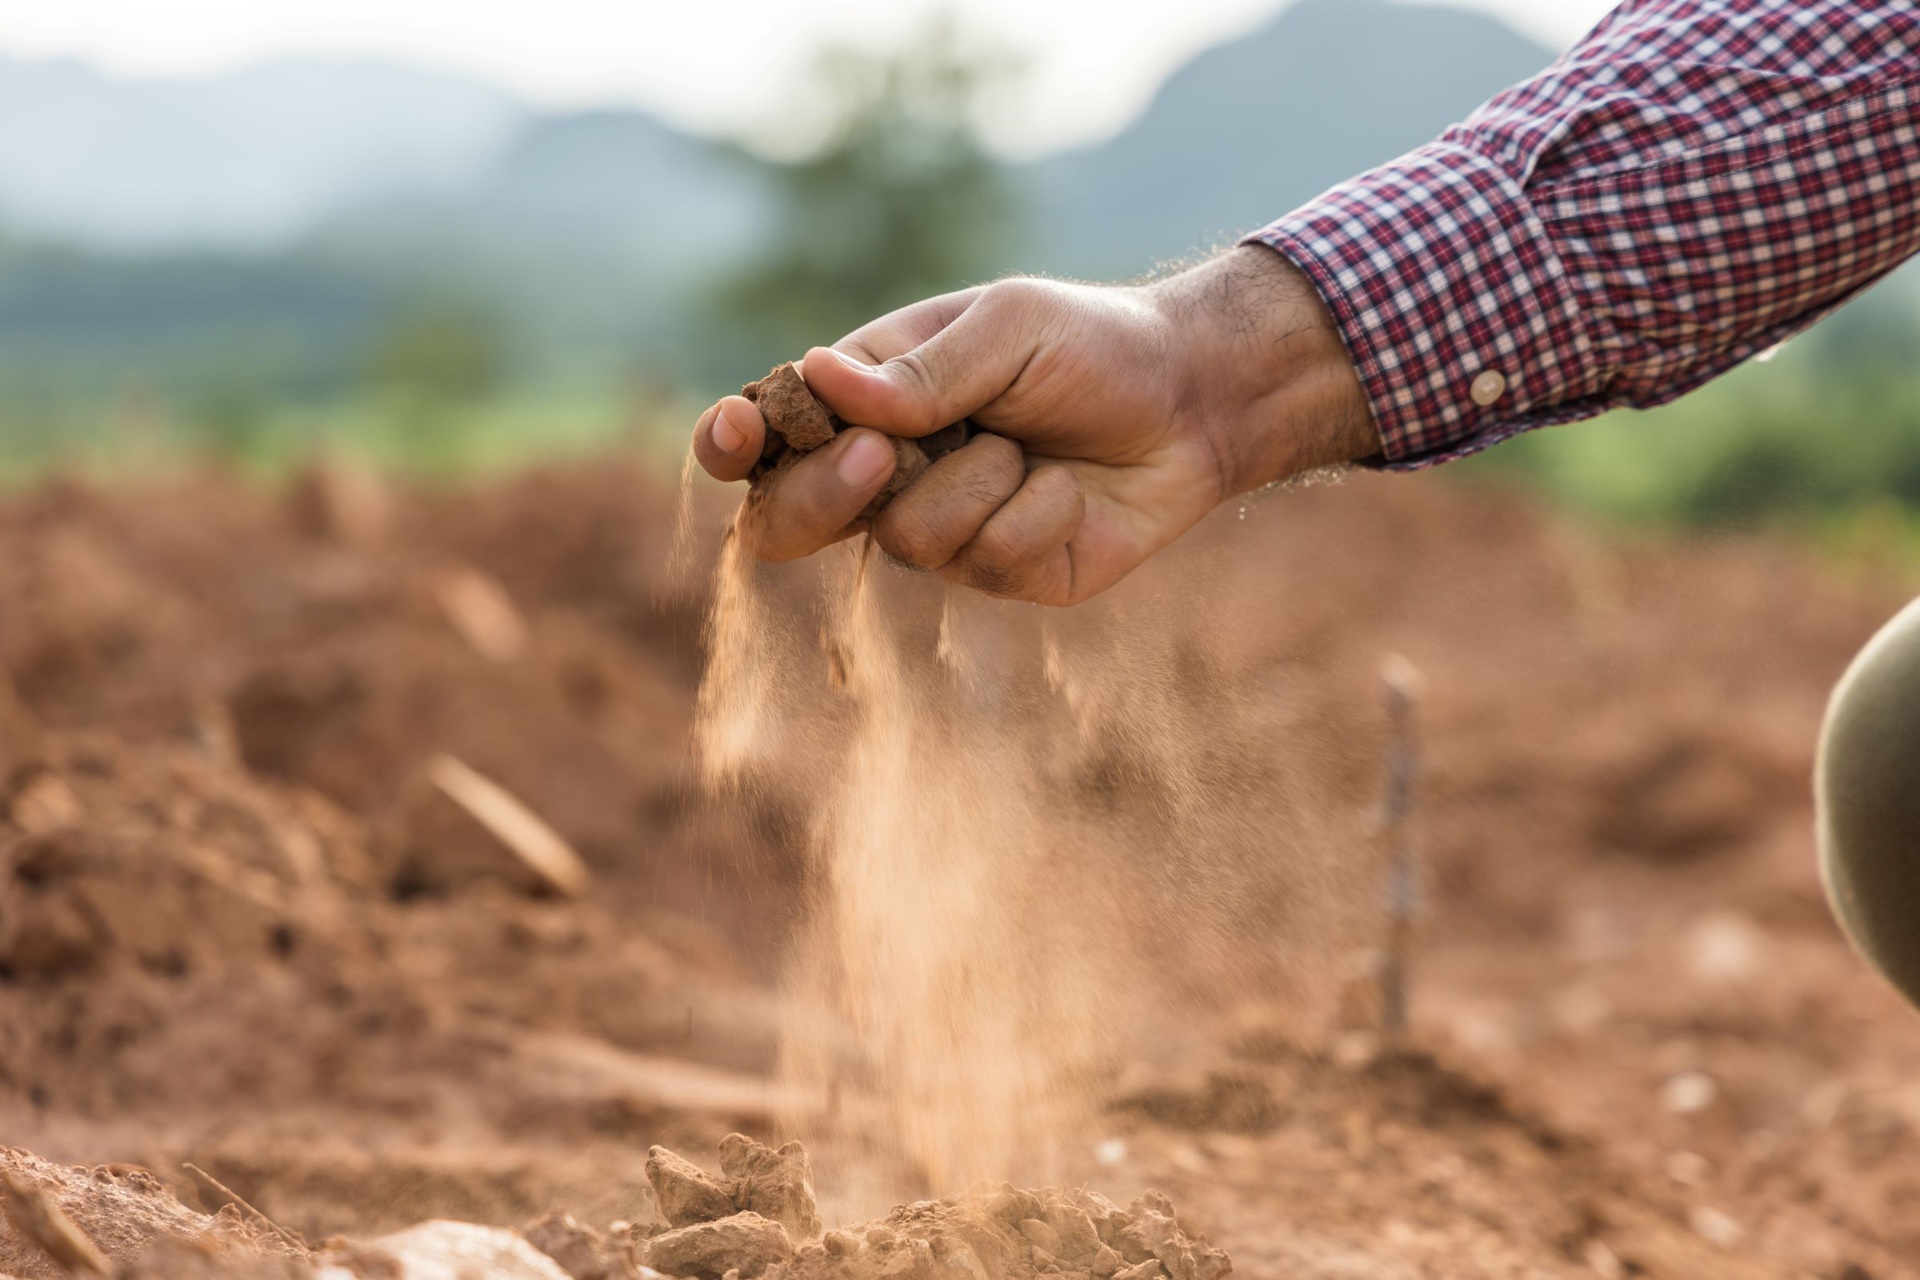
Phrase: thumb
{"type": "Point", "coordinates": [959, 370]}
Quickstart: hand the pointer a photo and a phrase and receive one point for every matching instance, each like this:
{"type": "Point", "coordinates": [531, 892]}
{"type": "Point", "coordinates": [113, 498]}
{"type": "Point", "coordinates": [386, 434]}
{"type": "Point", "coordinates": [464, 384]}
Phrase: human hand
{"type": "Point", "coordinates": [1112, 420]}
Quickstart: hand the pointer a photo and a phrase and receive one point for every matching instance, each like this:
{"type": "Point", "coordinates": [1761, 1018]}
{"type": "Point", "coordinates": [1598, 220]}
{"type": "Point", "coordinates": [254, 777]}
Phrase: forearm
{"type": "Point", "coordinates": [1696, 181]}
{"type": "Point", "coordinates": [1265, 374]}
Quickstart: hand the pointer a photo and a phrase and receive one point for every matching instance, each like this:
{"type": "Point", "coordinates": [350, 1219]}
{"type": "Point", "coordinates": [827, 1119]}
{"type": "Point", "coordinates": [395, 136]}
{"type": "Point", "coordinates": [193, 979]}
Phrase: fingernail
{"type": "Point", "coordinates": [852, 363]}
{"type": "Point", "coordinates": [726, 437]}
{"type": "Point", "coordinates": [866, 457]}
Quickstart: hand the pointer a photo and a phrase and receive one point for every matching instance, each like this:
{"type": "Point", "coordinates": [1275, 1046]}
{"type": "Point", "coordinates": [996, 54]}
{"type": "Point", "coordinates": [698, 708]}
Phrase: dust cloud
{"type": "Point", "coordinates": [1032, 840]}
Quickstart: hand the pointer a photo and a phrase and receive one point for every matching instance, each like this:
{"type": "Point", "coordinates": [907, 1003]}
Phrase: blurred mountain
{"type": "Point", "coordinates": [294, 209]}
{"type": "Point", "coordinates": [615, 190]}
{"type": "Point", "coordinates": [1256, 127]}
{"type": "Point", "coordinates": [395, 160]}
{"type": "Point", "coordinates": [248, 158]}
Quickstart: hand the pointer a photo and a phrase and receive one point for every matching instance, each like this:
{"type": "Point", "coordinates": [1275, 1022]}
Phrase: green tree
{"type": "Point", "coordinates": [900, 202]}
{"type": "Point", "coordinates": [440, 353]}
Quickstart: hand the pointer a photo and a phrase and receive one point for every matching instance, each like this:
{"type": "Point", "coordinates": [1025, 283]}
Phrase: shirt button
{"type": "Point", "coordinates": [1488, 388]}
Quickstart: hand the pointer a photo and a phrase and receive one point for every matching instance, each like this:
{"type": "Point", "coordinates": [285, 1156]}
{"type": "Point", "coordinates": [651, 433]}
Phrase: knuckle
{"type": "Point", "coordinates": [987, 490]}
{"type": "Point", "coordinates": [1018, 293]}
{"type": "Point", "coordinates": [909, 539]}
{"type": "Point", "coordinates": [989, 470]}
{"type": "Point", "coordinates": [994, 551]}
{"type": "Point", "coordinates": [995, 580]}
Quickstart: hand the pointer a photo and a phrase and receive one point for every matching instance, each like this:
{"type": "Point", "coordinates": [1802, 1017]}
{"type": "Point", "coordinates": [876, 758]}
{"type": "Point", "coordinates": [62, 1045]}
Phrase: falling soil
{"type": "Point", "coordinates": [1638, 1045]}
{"type": "Point", "coordinates": [755, 1220]}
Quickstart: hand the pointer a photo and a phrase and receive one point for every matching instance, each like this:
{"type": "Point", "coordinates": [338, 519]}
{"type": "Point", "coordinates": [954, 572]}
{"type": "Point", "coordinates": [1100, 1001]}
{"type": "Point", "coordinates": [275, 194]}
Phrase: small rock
{"type": "Point", "coordinates": [584, 1253]}
{"type": "Point", "coordinates": [1042, 1236]}
{"type": "Point", "coordinates": [1688, 1093]}
{"type": "Point", "coordinates": [1074, 1229]}
{"type": "Point", "coordinates": [1715, 1227]}
{"type": "Point", "coordinates": [790, 410]}
{"type": "Point", "coordinates": [1605, 1263]}
{"type": "Point", "coordinates": [45, 804]}
{"type": "Point", "coordinates": [1011, 1205]}
{"type": "Point", "coordinates": [684, 1192]}
{"type": "Point", "coordinates": [1725, 947]}
{"type": "Point", "coordinates": [441, 1250]}
{"type": "Point", "coordinates": [1688, 1168]}
{"type": "Point", "coordinates": [1148, 1270]}
{"type": "Point", "coordinates": [776, 1184]}
{"type": "Point", "coordinates": [745, 1242]}
{"type": "Point", "coordinates": [1185, 1257]}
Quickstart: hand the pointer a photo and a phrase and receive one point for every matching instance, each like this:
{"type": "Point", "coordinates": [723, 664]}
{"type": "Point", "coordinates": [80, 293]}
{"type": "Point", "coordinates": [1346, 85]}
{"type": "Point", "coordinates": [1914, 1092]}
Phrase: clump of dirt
{"type": "Point", "coordinates": [182, 943]}
{"type": "Point", "coordinates": [774, 1184]}
{"type": "Point", "coordinates": [758, 1219]}
{"type": "Point", "coordinates": [797, 424]}
{"type": "Point", "coordinates": [1004, 1233]}
{"type": "Point", "coordinates": [167, 863]}
{"type": "Point", "coordinates": [120, 1212]}
{"type": "Point", "coordinates": [584, 1252]}
{"type": "Point", "coordinates": [128, 1219]}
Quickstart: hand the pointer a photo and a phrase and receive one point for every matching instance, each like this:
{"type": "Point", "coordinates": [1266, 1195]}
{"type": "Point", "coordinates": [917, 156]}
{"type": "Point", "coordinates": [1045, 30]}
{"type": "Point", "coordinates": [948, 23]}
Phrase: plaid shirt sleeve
{"type": "Point", "coordinates": [1691, 184]}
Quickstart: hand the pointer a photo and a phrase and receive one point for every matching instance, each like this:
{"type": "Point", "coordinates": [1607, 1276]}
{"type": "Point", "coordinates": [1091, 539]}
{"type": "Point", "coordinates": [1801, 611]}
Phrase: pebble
{"type": "Point", "coordinates": [1688, 1093]}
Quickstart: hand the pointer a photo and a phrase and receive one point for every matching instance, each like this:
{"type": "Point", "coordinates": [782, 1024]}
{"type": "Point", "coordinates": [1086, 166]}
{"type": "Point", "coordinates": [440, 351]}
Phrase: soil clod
{"type": "Point", "coordinates": [684, 1193]}
{"type": "Point", "coordinates": [801, 422]}
{"type": "Point", "coordinates": [776, 1184]}
{"type": "Point", "coordinates": [743, 1243]}
{"type": "Point", "coordinates": [797, 424]}
{"type": "Point", "coordinates": [581, 1251]}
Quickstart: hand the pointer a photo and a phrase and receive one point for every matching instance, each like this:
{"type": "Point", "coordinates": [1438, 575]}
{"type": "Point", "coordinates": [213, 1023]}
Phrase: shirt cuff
{"type": "Point", "coordinates": [1453, 302]}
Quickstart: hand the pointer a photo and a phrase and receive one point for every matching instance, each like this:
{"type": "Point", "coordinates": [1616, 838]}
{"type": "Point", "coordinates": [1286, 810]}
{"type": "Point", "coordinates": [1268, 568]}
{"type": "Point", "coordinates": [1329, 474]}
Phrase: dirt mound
{"type": "Point", "coordinates": [165, 862]}
{"type": "Point", "coordinates": [345, 654]}
{"type": "Point", "coordinates": [127, 1218]}
{"type": "Point", "coordinates": [1005, 1232]}
{"type": "Point", "coordinates": [120, 1210]}
{"type": "Point", "coordinates": [758, 1218]}
{"type": "Point", "coordinates": [182, 943]}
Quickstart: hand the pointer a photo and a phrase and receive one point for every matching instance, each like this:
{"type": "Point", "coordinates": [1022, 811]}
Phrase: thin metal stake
{"type": "Point", "coordinates": [1403, 888]}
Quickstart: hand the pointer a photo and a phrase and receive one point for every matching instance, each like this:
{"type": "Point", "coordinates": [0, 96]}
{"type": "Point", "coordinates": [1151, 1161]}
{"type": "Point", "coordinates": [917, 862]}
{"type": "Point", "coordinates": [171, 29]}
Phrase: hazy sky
{"type": "Point", "coordinates": [714, 65]}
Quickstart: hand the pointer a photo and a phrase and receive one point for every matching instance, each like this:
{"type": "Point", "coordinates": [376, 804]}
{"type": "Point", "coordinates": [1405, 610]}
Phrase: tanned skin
{"type": "Point", "coordinates": [1113, 418]}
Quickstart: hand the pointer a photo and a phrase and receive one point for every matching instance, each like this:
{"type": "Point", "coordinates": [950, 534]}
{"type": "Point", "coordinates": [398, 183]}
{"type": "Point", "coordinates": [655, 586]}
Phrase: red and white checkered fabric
{"type": "Point", "coordinates": [1691, 184]}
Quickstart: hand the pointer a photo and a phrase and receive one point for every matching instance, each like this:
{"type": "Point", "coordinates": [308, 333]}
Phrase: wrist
{"type": "Point", "coordinates": [1265, 372]}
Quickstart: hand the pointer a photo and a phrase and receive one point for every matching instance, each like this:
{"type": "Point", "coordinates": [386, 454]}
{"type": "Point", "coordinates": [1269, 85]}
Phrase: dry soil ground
{"type": "Point", "coordinates": [233, 931]}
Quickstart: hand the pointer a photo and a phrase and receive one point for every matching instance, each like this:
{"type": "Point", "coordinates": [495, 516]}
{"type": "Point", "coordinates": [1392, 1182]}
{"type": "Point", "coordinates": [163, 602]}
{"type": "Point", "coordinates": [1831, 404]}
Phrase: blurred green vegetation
{"type": "Point", "coordinates": [426, 349]}
{"type": "Point", "coordinates": [142, 438]}
{"type": "Point", "coordinates": [902, 201]}
{"type": "Point", "coordinates": [1824, 433]}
